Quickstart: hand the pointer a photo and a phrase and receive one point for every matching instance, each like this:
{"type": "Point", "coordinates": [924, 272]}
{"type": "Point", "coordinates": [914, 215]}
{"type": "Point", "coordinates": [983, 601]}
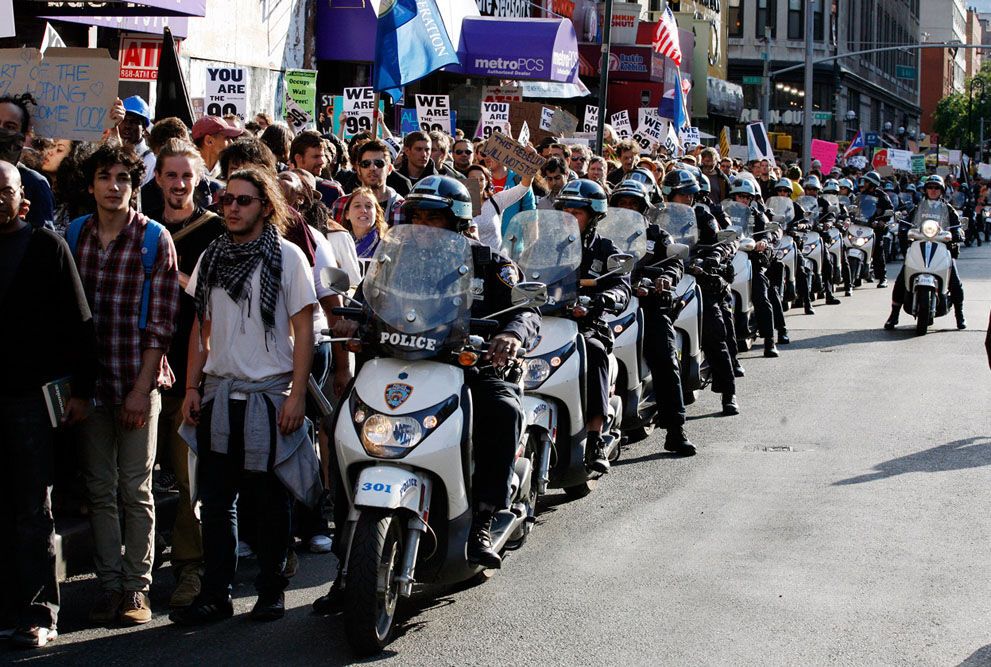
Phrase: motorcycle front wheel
{"type": "Point", "coordinates": [371, 583]}
{"type": "Point", "coordinates": [923, 306]}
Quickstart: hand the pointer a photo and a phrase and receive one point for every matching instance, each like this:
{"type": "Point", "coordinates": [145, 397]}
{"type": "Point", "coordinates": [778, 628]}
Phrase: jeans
{"type": "Point", "coordinates": [221, 481]}
{"type": "Point", "coordinates": [27, 555]}
{"type": "Point", "coordinates": [118, 461]}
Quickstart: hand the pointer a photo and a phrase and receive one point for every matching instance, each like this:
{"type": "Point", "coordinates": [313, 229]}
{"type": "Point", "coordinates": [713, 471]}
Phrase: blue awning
{"type": "Point", "coordinates": [519, 49]}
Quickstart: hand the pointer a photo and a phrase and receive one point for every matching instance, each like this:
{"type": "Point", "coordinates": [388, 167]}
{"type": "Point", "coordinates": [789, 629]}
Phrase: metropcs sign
{"type": "Point", "coordinates": [562, 62]}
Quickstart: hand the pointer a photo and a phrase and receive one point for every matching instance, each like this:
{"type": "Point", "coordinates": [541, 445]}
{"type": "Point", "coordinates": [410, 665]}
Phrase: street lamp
{"type": "Point", "coordinates": [851, 121]}
{"type": "Point", "coordinates": [970, 109]}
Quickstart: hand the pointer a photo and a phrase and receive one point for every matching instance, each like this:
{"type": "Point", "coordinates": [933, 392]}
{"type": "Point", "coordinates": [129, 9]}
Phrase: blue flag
{"type": "Point", "coordinates": [672, 103]}
{"type": "Point", "coordinates": [410, 43]}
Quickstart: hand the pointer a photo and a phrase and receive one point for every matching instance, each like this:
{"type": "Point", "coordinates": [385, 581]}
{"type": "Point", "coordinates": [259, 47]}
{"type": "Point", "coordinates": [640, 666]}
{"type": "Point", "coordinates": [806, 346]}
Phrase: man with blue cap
{"type": "Point", "coordinates": [132, 130]}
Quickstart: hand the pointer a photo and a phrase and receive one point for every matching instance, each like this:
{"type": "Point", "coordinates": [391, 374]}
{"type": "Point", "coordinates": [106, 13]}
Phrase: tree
{"type": "Point", "coordinates": [952, 118]}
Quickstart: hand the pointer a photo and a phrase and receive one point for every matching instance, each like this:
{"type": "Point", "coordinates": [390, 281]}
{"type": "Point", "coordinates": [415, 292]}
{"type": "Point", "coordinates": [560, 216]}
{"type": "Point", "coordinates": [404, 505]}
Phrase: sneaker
{"type": "Point", "coordinates": [269, 607]}
{"type": "Point", "coordinates": [34, 637]}
{"type": "Point", "coordinates": [244, 550]}
{"type": "Point", "coordinates": [187, 589]}
{"type": "Point", "coordinates": [136, 609]}
{"type": "Point", "coordinates": [203, 611]}
{"type": "Point", "coordinates": [104, 610]}
{"type": "Point", "coordinates": [320, 544]}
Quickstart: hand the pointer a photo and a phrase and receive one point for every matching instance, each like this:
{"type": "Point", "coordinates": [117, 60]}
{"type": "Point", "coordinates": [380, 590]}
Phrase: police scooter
{"type": "Point", "coordinates": [403, 430]}
{"type": "Point", "coordinates": [860, 238]}
{"type": "Point", "coordinates": [927, 265]}
{"type": "Point", "coordinates": [741, 228]}
{"type": "Point", "coordinates": [812, 243]}
{"type": "Point", "coordinates": [546, 245]}
{"type": "Point", "coordinates": [781, 211]}
{"type": "Point", "coordinates": [833, 239]}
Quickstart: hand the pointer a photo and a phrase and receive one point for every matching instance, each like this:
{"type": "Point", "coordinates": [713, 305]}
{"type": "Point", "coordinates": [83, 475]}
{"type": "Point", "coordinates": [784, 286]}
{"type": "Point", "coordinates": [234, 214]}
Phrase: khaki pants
{"type": "Point", "coordinates": [120, 461]}
{"type": "Point", "coordinates": [187, 540]}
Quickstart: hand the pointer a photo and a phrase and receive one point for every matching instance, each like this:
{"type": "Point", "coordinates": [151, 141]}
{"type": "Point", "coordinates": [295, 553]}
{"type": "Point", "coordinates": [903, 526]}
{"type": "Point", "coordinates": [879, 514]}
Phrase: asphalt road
{"type": "Point", "coordinates": [841, 519]}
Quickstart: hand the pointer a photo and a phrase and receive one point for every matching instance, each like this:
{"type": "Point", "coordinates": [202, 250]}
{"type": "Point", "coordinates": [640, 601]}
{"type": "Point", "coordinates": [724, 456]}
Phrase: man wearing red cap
{"type": "Point", "coordinates": [211, 136]}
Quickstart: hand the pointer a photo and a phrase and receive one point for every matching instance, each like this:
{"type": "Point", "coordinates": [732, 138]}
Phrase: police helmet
{"type": "Point", "coordinates": [812, 183]}
{"type": "Point", "coordinates": [441, 193]}
{"type": "Point", "coordinates": [935, 179]}
{"type": "Point", "coordinates": [831, 187]}
{"type": "Point", "coordinates": [583, 194]}
{"type": "Point", "coordinates": [783, 184]}
{"type": "Point", "coordinates": [871, 177]}
{"type": "Point", "coordinates": [889, 186]}
{"type": "Point", "coordinates": [631, 189]}
{"type": "Point", "coordinates": [845, 183]}
{"type": "Point", "coordinates": [911, 188]}
{"type": "Point", "coordinates": [644, 176]}
{"type": "Point", "coordinates": [743, 186]}
{"type": "Point", "coordinates": [680, 182]}
{"type": "Point", "coordinates": [704, 185]}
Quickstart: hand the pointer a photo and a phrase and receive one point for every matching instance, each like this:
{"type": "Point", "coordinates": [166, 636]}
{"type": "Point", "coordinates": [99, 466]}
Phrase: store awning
{"type": "Point", "coordinates": [148, 16]}
{"type": "Point", "coordinates": [519, 49]}
{"type": "Point", "coordinates": [626, 62]}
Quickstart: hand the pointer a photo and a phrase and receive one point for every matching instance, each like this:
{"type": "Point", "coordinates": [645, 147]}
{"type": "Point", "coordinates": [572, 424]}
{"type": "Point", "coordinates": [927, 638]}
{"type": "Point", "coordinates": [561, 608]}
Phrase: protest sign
{"type": "Point", "coordinates": [591, 118]}
{"type": "Point", "coordinates": [226, 91]}
{"type": "Point", "coordinates": [433, 113]}
{"type": "Point", "coordinates": [690, 137]}
{"type": "Point", "coordinates": [919, 164]}
{"type": "Point", "coordinates": [825, 152]}
{"type": "Point", "coordinates": [75, 89]}
{"type": "Point", "coordinates": [671, 140]}
{"type": "Point", "coordinates": [643, 141]}
{"type": "Point", "coordinates": [512, 154]}
{"type": "Point", "coordinates": [857, 161]}
{"type": "Point", "coordinates": [759, 144]}
{"type": "Point", "coordinates": [338, 116]}
{"type": "Point", "coordinates": [524, 134]}
{"type": "Point", "coordinates": [301, 88]}
{"type": "Point", "coordinates": [955, 156]}
{"type": "Point", "coordinates": [621, 124]}
{"type": "Point", "coordinates": [653, 126]}
{"type": "Point", "coordinates": [880, 158]}
{"type": "Point", "coordinates": [296, 116]}
{"type": "Point", "coordinates": [983, 170]}
{"type": "Point", "coordinates": [563, 122]}
{"type": "Point", "coordinates": [16, 67]}
{"type": "Point", "coordinates": [358, 107]}
{"type": "Point", "coordinates": [7, 18]}
{"type": "Point", "coordinates": [644, 113]}
{"type": "Point", "coordinates": [885, 171]}
{"type": "Point", "coordinates": [899, 159]}
{"type": "Point", "coordinates": [532, 112]}
{"type": "Point", "coordinates": [495, 118]}
{"type": "Point", "coordinates": [546, 116]}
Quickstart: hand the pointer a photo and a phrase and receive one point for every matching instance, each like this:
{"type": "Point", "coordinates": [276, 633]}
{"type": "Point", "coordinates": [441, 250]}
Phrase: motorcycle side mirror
{"type": "Point", "coordinates": [747, 245]}
{"type": "Point", "coordinates": [335, 279]}
{"type": "Point", "coordinates": [529, 294]}
{"type": "Point", "coordinates": [964, 223]}
{"type": "Point", "coordinates": [679, 250]}
{"type": "Point", "coordinates": [621, 263]}
{"type": "Point", "coordinates": [726, 235]}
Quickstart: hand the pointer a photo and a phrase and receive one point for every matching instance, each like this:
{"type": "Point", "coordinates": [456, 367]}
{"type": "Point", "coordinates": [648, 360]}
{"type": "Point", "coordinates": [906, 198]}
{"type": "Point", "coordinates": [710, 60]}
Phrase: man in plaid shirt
{"type": "Point", "coordinates": [373, 164]}
{"type": "Point", "coordinates": [119, 439]}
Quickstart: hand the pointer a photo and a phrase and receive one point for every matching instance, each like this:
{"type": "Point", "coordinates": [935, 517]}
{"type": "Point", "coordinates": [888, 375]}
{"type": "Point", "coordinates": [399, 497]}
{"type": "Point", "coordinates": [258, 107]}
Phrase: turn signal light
{"type": "Point", "coordinates": [579, 311]}
{"type": "Point", "coordinates": [467, 358]}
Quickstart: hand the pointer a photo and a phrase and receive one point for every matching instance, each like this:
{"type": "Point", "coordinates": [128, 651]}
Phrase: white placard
{"type": "Point", "coordinates": [7, 18]}
{"type": "Point", "coordinates": [591, 118]}
{"type": "Point", "coordinates": [671, 140]}
{"type": "Point", "coordinates": [226, 91]}
{"type": "Point", "coordinates": [524, 137]}
{"type": "Point", "coordinates": [645, 112]}
{"type": "Point", "coordinates": [495, 118]}
{"type": "Point", "coordinates": [359, 105]}
{"type": "Point", "coordinates": [984, 171]}
{"type": "Point", "coordinates": [646, 143]}
{"type": "Point", "coordinates": [621, 123]}
{"type": "Point", "coordinates": [296, 115]}
{"type": "Point", "coordinates": [654, 127]}
{"type": "Point", "coordinates": [433, 113]}
{"type": "Point", "coordinates": [546, 116]}
{"type": "Point", "coordinates": [690, 137]}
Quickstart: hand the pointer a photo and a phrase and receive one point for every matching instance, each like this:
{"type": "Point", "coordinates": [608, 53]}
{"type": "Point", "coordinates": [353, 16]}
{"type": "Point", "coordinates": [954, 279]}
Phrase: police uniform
{"type": "Point", "coordinates": [878, 263]}
{"type": "Point", "coordinates": [767, 301]}
{"type": "Point", "coordinates": [954, 286]}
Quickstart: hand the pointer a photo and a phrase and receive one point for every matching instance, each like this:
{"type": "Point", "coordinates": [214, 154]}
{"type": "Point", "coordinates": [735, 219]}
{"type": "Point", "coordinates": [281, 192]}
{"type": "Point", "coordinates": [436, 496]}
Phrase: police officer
{"type": "Point", "coordinates": [832, 187]}
{"type": "Point", "coordinates": [497, 405]}
{"type": "Point", "coordinates": [704, 199]}
{"type": "Point", "coordinates": [822, 224]}
{"type": "Point", "coordinates": [711, 264]}
{"type": "Point", "coordinates": [660, 350]}
{"type": "Point", "coordinates": [933, 189]}
{"type": "Point", "coordinates": [870, 184]}
{"type": "Point", "coordinates": [586, 200]}
{"type": "Point", "coordinates": [793, 227]}
{"type": "Point", "coordinates": [846, 187]}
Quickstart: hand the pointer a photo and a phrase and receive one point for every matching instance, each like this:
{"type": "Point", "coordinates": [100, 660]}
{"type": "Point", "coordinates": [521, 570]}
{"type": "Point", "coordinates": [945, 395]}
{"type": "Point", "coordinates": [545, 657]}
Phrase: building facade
{"type": "Point", "coordinates": [972, 57]}
{"type": "Point", "coordinates": [946, 21]}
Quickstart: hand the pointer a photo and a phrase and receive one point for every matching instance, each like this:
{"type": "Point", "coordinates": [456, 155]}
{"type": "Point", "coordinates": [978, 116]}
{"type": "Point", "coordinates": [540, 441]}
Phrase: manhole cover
{"type": "Point", "coordinates": [777, 448]}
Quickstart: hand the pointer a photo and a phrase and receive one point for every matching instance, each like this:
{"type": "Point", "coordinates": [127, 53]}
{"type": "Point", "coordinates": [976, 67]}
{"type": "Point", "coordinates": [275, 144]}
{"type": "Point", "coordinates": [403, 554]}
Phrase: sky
{"type": "Point", "coordinates": [982, 5]}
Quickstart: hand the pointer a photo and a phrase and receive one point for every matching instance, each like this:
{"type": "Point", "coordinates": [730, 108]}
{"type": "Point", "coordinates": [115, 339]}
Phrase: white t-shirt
{"type": "Point", "coordinates": [347, 256]}
{"type": "Point", "coordinates": [237, 340]}
{"type": "Point", "coordinates": [323, 257]}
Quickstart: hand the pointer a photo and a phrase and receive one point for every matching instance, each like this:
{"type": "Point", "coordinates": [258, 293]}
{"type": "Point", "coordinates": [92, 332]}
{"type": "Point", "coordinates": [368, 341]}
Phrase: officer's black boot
{"type": "Point", "coordinates": [480, 550]}
{"type": "Point", "coordinates": [333, 601]}
{"type": "Point", "coordinates": [958, 311]}
{"type": "Point", "coordinates": [830, 299]}
{"type": "Point", "coordinates": [783, 338]}
{"type": "Point", "coordinates": [882, 283]}
{"type": "Point", "coordinates": [595, 453]}
{"type": "Point", "coordinates": [730, 406]}
{"type": "Point", "coordinates": [809, 310]}
{"type": "Point", "coordinates": [770, 349]}
{"type": "Point", "coordinates": [893, 318]}
{"type": "Point", "coordinates": [738, 369]}
{"type": "Point", "coordinates": [677, 442]}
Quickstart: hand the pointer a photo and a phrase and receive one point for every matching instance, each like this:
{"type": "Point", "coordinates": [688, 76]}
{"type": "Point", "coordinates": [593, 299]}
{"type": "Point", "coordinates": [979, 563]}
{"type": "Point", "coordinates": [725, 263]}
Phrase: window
{"type": "Point", "coordinates": [796, 23]}
{"type": "Point", "coordinates": [736, 18]}
{"type": "Point", "coordinates": [767, 15]}
{"type": "Point", "coordinates": [818, 25]}
{"type": "Point", "coordinates": [851, 26]}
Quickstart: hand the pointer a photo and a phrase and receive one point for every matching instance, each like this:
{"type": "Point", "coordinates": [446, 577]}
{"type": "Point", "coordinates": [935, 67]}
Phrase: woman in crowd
{"type": "Point", "coordinates": [365, 219]}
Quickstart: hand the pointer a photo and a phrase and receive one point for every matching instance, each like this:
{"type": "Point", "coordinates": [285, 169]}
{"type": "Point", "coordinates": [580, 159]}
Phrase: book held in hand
{"type": "Point", "coordinates": [57, 394]}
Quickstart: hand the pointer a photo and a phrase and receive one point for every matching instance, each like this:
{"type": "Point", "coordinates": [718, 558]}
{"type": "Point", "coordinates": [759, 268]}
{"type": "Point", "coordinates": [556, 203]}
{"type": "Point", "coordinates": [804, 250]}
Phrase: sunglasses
{"type": "Point", "coordinates": [579, 159]}
{"type": "Point", "coordinates": [460, 151]}
{"type": "Point", "coordinates": [378, 162]}
{"type": "Point", "coordinates": [242, 200]}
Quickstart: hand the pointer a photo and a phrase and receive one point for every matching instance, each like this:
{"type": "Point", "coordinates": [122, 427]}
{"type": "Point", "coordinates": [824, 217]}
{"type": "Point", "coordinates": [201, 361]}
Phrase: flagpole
{"type": "Point", "coordinates": [375, 115]}
{"type": "Point", "coordinates": [604, 75]}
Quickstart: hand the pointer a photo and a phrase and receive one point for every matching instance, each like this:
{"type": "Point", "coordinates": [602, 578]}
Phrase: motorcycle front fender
{"type": "Point", "coordinates": [389, 488]}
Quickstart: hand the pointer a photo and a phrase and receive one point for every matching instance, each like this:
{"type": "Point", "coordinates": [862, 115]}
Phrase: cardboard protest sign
{"type": "Point", "coordinates": [16, 69]}
{"type": "Point", "coordinates": [75, 89]}
{"type": "Point", "coordinates": [825, 152]}
{"type": "Point", "coordinates": [532, 112]}
{"type": "Point", "coordinates": [358, 105]}
{"type": "Point", "coordinates": [885, 171]}
{"type": "Point", "coordinates": [301, 89]}
{"type": "Point", "coordinates": [226, 91]}
{"type": "Point", "coordinates": [512, 154]}
{"type": "Point", "coordinates": [475, 192]}
{"type": "Point", "coordinates": [591, 118]}
{"type": "Point", "coordinates": [495, 118]}
{"type": "Point", "coordinates": [562, 123]}
{"type": "Point", "coordinates": [433, 113]}
{"type": "Point", "coordinates": [621, 123]}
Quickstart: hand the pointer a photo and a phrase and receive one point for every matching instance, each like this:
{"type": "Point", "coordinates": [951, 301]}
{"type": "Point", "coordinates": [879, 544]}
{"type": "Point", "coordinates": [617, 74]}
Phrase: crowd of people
{"type": "Point", "coordinates": [174, 274]}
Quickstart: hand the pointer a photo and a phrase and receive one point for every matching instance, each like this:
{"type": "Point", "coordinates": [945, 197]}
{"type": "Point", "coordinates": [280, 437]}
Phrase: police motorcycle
{"type": "Point", "coordinates": [403, 431]}
{"type": "Point", "coordinates": [679, 221]}
{"type": "Point", "coordinates": [741, 228]}
{"type": "Point", "coordinates": [813, 247]}
{"type": "Point", "coordinates": [628, 231]}
{"type": "Point", "coordinates": [860, 238]}
{"type": "Point", "coordinates": [927, 265]}
{"type": "Point", "coordinates": [904, 217]}
{"type": "Point", "coordinates": [833, 235]}
{"type": "Point", "coordinates": [546, 245]}
{"type": "Point", "coordinates": [960, 201]}
{"type": "Point", "coordinates": [786, 250]}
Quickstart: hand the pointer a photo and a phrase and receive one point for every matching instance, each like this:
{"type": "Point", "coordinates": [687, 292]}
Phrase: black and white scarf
{"type": "Point", "coordinates": [230, 265]}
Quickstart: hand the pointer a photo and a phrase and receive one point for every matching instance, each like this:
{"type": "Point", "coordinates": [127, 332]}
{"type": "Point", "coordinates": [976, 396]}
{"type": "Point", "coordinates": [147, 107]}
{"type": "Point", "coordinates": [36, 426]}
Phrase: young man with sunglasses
{"type": "Point", "coordinates": [373, 164]}
{"type": "Point", "coordinates": [464, 155]}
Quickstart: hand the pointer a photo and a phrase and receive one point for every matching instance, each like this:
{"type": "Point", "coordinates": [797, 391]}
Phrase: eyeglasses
{"type": "Point", "coordinates": [933, 187]}
{"type": "Point", "coordinates": [378, 162]}
{"type": "Point", "coordinates": [579, 159]}
{"type": "Point", "coordinates": [242, 200]}
{"type": "Point", "coordinates": [463, 151]}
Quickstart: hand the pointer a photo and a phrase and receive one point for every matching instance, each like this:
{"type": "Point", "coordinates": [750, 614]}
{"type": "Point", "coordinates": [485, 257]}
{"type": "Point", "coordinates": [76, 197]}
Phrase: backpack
{"type": "Point", "coordinates": [149, 253]}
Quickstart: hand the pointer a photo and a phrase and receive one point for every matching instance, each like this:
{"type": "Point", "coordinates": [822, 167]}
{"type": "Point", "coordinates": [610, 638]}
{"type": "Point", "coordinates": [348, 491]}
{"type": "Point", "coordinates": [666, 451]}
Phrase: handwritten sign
{"type": "Point", "coordinates": [359, 106]}
{"type": "Point", "coordinates": [75, 89]}
{"type": "Point", "coordinates": [512, 154]}
{"type": "Point", "coordinates": [301, 88]}
{"type": "Point", "coordinates": [433, 113]}
{"type": "Point", "coordinates": [825, 152]}
{"type": "Point", "coordinates": [226, 91]}
{"type": "Point", "coordinates": [495, 118]}
{"type": "Point", "coordinates": [591, 118]}
{"type": "Point", "coordinates": [16, 69]}
{"type": "Point", "coordinates": [546, 116]}
{"type": "Point", "coordinates": [621, 123]}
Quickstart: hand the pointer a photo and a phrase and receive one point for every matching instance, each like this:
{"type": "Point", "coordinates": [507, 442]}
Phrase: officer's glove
{"type": "Point", "coordinates": [604, 302]}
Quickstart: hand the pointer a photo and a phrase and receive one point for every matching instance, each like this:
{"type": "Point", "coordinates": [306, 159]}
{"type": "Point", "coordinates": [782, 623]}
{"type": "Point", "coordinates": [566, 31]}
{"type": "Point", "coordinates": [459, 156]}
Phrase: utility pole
{"type": "Point", "coordinates": [807, 113]}
{"type": "Point", "coordinates": [604, 74]}
{"type": "Point", "coordinates": [765, 86]}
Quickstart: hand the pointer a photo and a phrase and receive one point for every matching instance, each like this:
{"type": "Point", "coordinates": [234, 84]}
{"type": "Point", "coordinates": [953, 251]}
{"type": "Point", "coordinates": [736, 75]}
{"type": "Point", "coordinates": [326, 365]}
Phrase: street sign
{"type": "Point", "coordinates": [905, 72]}
{"type": "Point", "coordinates": [822, 115]}
{"type": "Point", "coordinates": [872, 140]}
{"type": "Point", "coordinates": [752, 80]}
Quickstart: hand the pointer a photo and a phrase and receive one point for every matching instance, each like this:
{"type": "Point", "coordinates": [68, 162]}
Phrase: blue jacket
{"type": "Point", "coordinates": [39, 193]}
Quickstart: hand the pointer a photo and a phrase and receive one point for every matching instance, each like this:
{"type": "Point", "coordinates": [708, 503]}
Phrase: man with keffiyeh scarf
{"type": "Point", "coordinates": [250, 352]}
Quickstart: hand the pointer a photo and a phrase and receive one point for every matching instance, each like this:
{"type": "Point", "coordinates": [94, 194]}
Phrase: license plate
{"type": "Point", "coordinates": [925, 280]}
{"type": "Point", "coordinates": [854, 252]}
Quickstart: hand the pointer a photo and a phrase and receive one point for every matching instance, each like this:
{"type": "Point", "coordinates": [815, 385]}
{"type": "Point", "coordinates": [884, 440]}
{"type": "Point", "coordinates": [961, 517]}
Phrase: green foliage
{"type": "Point", "coordinates": [953, 115]}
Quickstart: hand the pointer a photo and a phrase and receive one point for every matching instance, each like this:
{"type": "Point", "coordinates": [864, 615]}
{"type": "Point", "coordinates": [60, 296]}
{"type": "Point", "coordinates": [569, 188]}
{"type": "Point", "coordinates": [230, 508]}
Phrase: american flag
{"type": "Point", "coordinates": [666, 38]}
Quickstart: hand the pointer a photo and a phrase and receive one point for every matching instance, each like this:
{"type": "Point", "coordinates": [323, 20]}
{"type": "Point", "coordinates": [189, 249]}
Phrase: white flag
{"type": "Point", "coordinates": [51, 38]}
{"type": "Point", "coordinates": [524, 134]}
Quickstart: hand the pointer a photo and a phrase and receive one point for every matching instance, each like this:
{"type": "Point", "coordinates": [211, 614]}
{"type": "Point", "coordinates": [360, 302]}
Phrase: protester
{"type": "Point", "coordinates": [364, 218]}
{"type": "Point", "coordinates": [440, 154]}
{"type": "Point", "coordinates": [278, 138]}
{"type": "Point", "coordinates": [211, 136]}
{"type": "Point", "coordinates": [555, 175]}
{"type": "Point", "coordinates": [373, 164]}
{"type": "Point", "coordinates": [501, 178]}
{"type": "Point", "coordinates": [464, 154]}
{"type": "Point", "coordinates": [491, 220]}
{"type": "Point", "coordinates": [416, 162]}
{"type": "Point", "coordinates": [15, 123]}
{"type": "Point", "coordinates": [627, 151]}
{"type": "Point", "coordinates": [308, 152]}
{"type": "Point", "coordinates": [133, 129]}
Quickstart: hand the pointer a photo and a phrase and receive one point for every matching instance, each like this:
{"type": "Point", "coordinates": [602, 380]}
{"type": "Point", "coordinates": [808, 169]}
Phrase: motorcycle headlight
{"type": "Point", "coordinates": [859, 241]}
{"type": "Point", "coordinates": [393, 436]}
{"type": "Point", "coordinates": [535, 371]}
{"type": "Point", "coordinates": [930, 228]}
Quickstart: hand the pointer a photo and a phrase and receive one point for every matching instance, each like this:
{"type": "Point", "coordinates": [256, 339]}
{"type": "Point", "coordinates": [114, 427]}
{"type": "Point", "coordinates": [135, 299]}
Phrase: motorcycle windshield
{"type": "Point", "coordinates": [958, 199]}
{"type": "Point", "coordinates": [780, 208]}
{"type": "Point", "coordinates": [740, 218]}
{"type": "Point", "coordinates": [547, 247]}
{"type": "Point", "coordinates": [418, 288]}
{"type": "Point", "coordinates": [905, 198]}
{"type": "Point", "coordinates": [834, 200]}
{"type": "Point", "coordinates": [929, 209]}
{"type": "Point", "coordinates": [866, 206]}
{"type": "Point", "coordinates": [627, 229]}
{"type": "Point", "coordinates": [810, 204]}
{"type": "Point", "coordinates": [678, 220]}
